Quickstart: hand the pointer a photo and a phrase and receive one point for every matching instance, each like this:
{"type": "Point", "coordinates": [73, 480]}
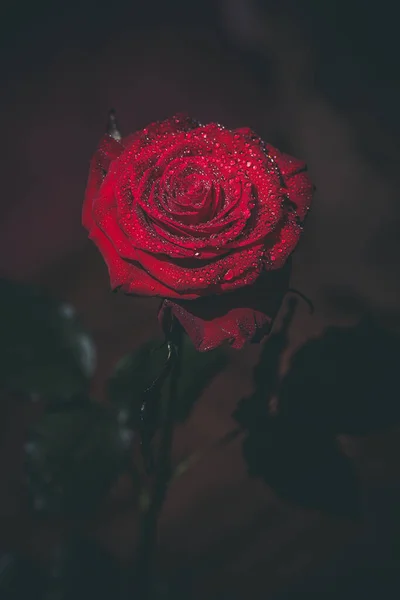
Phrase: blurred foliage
{"type": "Point", "coordinates": [79, 569]}
{"type": "Point", "coordinates": [266, 374]}
{"type": "Point", "coordinates": [20, 579]}
{"type": "Point", "coordinates": [303, 466]}
{"type": "Point", "coordinates": [139, 386]}
{"type": "Point", "coordinates": [73, 457]}
{"type": "Point", "coordinates": [139, 378]}
{"type": "Point", "coordinates": [77, 448]}
{"type": "Point", "coordinates": [295, 452]}
{"type": "Point", "coordinates": [345, 381]}
{"type": "Point", "coordinates": [140, 371]}
{"type": "Point", "coordinates": [43, 349]}
{"type": "Point", "coordinates": [74, 450]}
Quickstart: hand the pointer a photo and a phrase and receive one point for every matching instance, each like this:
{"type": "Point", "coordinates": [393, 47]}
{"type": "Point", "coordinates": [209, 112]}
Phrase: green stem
{"type": "Point", "coordinates": [147, 551]}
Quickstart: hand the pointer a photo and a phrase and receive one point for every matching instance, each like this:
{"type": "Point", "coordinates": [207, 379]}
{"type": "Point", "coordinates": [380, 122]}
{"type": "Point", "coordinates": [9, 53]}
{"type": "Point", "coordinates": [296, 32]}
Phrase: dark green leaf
{"type": "Point", "coordinates": [136, 390]}
{"type": "Point", "coordinates": [254, 408]}
{"type": "Point", "coordinates": [304, 466]}
{"type": "Point", "coordinates": [134, 374]}
{"type": "Point", "coordinates": [73, 457]}
{"type": "Point", "coordinates": [345, 381]}
{"type": "Point", "coordinates": [43, 349]}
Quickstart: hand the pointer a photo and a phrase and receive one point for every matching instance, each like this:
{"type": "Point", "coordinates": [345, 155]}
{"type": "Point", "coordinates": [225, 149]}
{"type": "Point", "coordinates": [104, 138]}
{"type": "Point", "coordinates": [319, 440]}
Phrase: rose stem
{"type": "Point", "coordinates": [147, 549]}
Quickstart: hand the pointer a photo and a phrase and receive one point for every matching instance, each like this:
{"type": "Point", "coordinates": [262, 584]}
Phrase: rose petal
{"type": "Point", "coordinates": [146, 145]}
{"type": "Point", "coordinates": [282, 244]}
{"type": "Point", "coordinates": [177, 123]}
{"type": "Point", "coordinates": [288, 165]}
{"type": "Point", "coordinates": [131, 278]}
{"type": "Point", "coordinates": [236, 269]}
{"type": "Point", "coordinates": [300, 189]}
{"type": "Point", "coordinates": [239, 317]}
{"type": "Point", "coordinates": [109, 149]}
{"type": "Point", "coordinates": [292, 170]}
{"type": "Point", "coordinates": [297, 181]}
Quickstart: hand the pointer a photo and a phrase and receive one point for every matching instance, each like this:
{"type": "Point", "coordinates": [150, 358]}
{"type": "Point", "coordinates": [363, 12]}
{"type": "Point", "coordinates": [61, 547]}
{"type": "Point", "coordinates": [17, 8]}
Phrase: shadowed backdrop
{"type": "Point", "coordinates": [320, 83]}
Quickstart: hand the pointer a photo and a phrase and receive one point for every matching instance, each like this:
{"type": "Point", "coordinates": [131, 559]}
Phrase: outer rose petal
{"type": "Point", "coordinates": [157, 136]}
{"type": "Point", "coordinates": [243, 316]}
{"type": "Point", "coordinates": [130, 278]}
{"type": "Point", "coordinates": [297, 181]}
{"type": "Point", "coordinates": [234, 270]}
{"type": "Point", "coordinates": [284, 242]}
{"type": "Point", "coordinates": [300, 189]}
{"type": "Point", "coordinates": [109, 149]}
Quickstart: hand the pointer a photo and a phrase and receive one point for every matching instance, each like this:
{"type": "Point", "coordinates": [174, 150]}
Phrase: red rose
{"type": "Point", "coordinates": [187, 211]}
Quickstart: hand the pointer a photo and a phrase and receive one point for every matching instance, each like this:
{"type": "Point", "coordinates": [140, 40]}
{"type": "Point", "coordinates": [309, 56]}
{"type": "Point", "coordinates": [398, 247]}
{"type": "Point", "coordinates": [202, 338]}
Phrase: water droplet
{"type": "Point", "coordinates": [228, 275]}
{"type": "Point", "coordinates": [248, 164]}
{"type": "Point", "coordinates": [197, 253]}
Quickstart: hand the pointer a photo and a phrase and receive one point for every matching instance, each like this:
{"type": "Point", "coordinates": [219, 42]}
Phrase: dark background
{"type": "Point", "coordinates": [319, 80]}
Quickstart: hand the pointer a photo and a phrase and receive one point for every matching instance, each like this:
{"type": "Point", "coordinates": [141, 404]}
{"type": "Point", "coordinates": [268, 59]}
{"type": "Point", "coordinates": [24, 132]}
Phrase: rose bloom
{"type": "Point", "coordinates": [202, 216]}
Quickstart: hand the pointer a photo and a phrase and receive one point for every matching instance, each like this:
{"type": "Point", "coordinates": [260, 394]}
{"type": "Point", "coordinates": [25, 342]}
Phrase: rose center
{"type": "Point", "coordinates": [190, 191]}
{"type": "Point", "coordinates": [191, 195]}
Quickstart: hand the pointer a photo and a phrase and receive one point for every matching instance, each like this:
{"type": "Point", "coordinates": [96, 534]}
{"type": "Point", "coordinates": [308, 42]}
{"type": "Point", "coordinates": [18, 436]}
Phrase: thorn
{"type": "Point", "coordinates": [112, 127]}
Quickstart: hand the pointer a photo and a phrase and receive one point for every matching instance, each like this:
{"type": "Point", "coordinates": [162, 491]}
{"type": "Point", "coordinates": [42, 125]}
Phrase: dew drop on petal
{"type": "Point", "coordinates": [228, 275]}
